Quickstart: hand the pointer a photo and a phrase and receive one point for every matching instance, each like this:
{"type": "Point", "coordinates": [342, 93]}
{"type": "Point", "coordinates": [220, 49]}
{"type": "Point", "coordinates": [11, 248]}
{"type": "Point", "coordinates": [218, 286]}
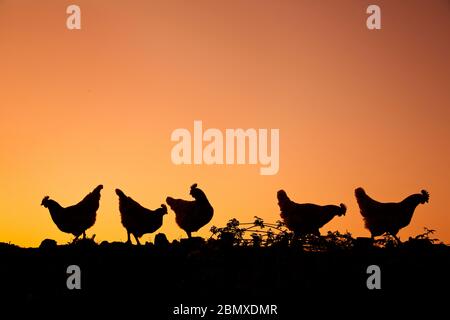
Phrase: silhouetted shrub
{"type": "Point", "coordinates": [256, 233]}
{"type": "Point", "coordinates": [261, 234]}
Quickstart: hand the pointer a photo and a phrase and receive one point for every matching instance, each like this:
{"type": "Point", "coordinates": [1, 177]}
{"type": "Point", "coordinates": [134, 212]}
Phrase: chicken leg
{"type": "Point", "coordinates": [137, 240]}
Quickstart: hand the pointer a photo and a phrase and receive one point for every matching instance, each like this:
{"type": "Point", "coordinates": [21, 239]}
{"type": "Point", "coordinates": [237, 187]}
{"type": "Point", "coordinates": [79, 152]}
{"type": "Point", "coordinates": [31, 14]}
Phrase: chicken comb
{"type": "Point", "coordinates": [194, 186]}
{"type": "Point", "coordinates": [44, 200]}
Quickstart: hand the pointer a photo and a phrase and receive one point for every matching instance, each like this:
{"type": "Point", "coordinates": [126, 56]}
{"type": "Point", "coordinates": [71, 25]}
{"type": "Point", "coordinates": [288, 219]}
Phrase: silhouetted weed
{"type": "Point", "coordinates": [261, 234]}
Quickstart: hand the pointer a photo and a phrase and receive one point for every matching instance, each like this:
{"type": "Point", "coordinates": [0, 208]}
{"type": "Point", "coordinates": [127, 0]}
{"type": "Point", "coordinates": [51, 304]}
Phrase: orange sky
{"type": "Point", "coordinates": [354, 107]}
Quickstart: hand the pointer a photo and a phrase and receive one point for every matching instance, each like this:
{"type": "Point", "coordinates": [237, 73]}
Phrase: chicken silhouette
{"type": "Point", "coordinates": [138, 220]}
{"type": "Point", "coordinates": [389, 218]}
{"type": "Point", "coordinates": [306, 218]}
{"type": "Point", "coordinates": [192, 215]}
{"type": "Point", "coordinates": [78, 218]}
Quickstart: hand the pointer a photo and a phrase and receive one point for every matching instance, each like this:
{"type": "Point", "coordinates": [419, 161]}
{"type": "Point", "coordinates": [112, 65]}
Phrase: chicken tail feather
{"type": "Point", "coordinates": [120, 193]}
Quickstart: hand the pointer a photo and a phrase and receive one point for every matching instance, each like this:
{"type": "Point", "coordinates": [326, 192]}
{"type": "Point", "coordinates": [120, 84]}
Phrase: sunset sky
{"type": "Point", "coordinates": [354, 107]}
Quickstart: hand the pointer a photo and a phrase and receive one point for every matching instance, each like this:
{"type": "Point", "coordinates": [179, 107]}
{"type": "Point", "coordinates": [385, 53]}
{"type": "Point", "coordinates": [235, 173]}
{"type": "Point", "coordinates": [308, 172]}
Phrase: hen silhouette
{"type": "Point", "coordinates": [192, 215]}
{"type": "Point", "coordinates": [78, 218]}
{"type": "Point", "coordinates": [138, 220]}
{"type": "Point", "coordinates": [306, 218]}
{"type": "Point", "coordinates": [389, 218]}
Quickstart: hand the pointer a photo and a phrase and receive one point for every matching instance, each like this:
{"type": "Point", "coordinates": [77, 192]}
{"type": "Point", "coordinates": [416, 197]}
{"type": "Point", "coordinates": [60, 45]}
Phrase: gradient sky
{"type": "Point", "coordinates": [354, 107]}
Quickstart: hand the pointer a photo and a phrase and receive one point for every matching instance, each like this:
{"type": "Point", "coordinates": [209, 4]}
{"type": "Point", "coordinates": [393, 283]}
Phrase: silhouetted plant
{"type": "Point", "coordinates": [388, 241]}
{"type": "Point", "coordinates": [426, 236]}
{"type": "Point", "coordinates": [85, 241]}
{"type": "Point", "coordinates": [331, 241]}
{"type": "Point", "coordinates": [339, 240]}
{"type": "Point", "coordinates": [261, 234]}
{"type": "Point", "coordinates": [256, 233]}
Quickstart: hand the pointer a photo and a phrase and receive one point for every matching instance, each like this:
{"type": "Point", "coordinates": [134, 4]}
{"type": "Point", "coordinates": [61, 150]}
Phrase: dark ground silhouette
{"type": "Point", "coordinates": [157, 277]}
